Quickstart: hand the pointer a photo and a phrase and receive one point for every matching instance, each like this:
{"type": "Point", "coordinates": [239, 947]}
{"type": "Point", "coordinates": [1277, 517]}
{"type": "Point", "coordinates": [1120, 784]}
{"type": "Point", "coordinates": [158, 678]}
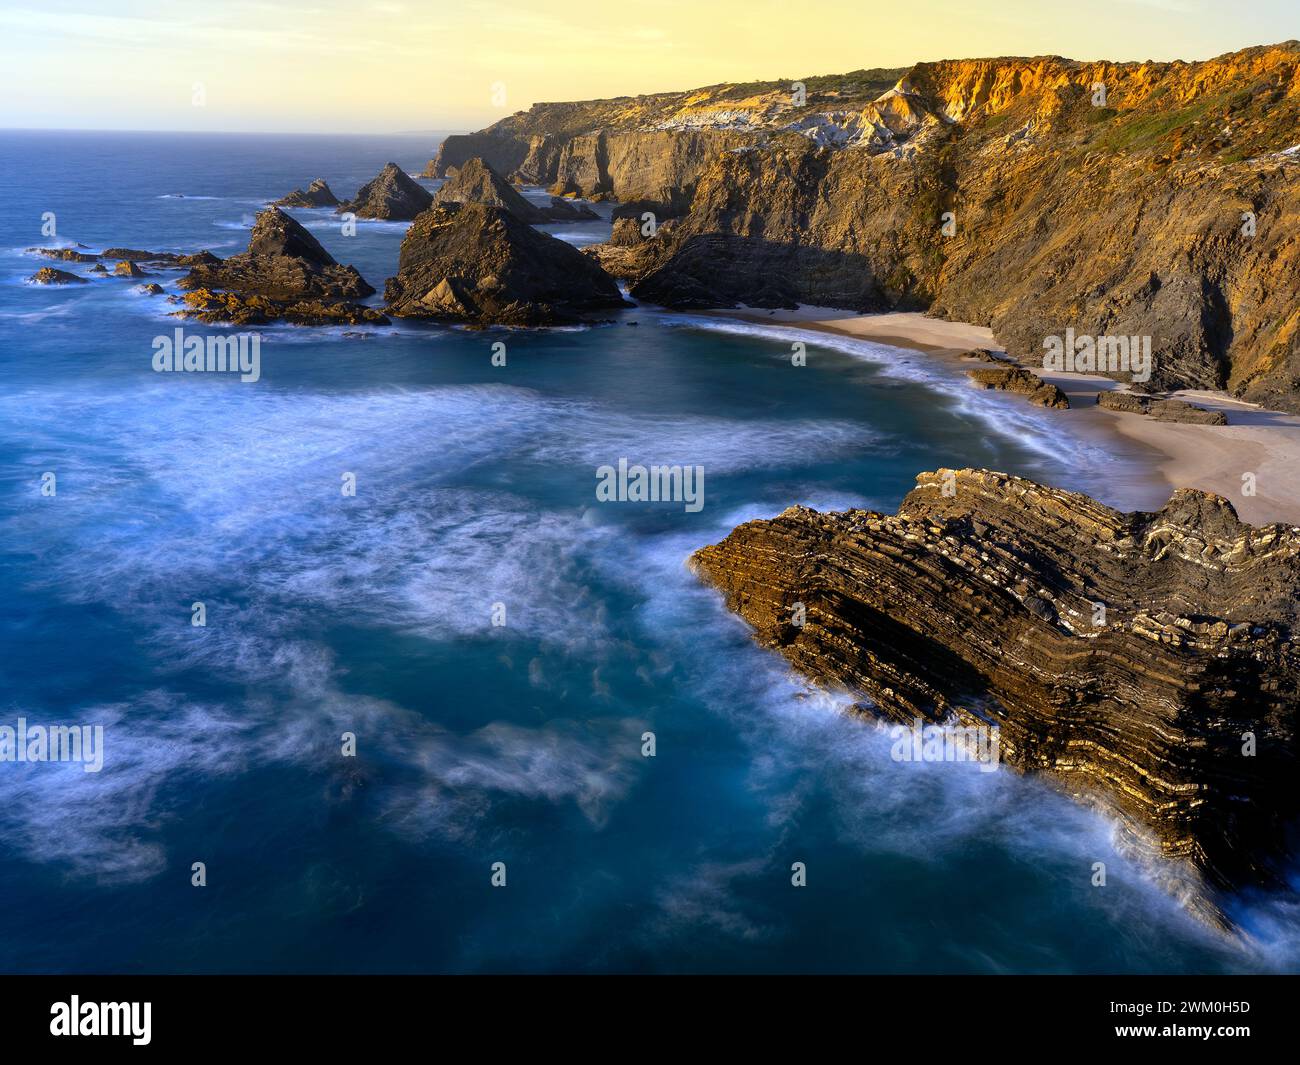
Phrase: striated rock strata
{"type": "Point", "coordinates": [476, 263]}
{"type": "Point", "coordinates": [982, 601]}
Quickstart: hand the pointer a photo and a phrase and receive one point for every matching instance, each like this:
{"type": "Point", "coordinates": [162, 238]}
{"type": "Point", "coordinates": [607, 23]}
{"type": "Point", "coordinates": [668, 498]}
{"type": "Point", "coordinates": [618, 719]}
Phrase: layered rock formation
{"type": "Point", "coordinates": [285, 273]}
{"type": "Point", "coordinates": [476, 263]}
{"type": "Point", "coordinates": [1161, 410]}
{"type": "Point", "coordinates": [1146, 662]}
{"type": "Point", "coordinates": [476, 182]}
{"type": "Point", "coordinates": [391, 195]}
{"type": "Point", "coordinates": [1022, 382]}
{"type": "Point", "coordinates": [1117, 199]}
{"type": "Point", "coordinates": [317, 194]}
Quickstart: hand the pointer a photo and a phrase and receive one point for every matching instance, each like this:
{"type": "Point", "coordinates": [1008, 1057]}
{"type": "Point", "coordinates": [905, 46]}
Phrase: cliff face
{"type": "Point", "coordinates": [1167, 209]}
{"type": "Point", "coordinates": [979, 602]}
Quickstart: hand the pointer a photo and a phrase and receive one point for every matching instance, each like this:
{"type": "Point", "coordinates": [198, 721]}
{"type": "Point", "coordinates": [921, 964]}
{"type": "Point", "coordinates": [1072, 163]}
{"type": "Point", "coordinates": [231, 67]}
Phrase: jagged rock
{"type": "Point", "coordinates": [67, 255]}
{"type": "Point", "coordinates": [476, 182]}
{"type": "Point", "coordinates": [392, 195]}
{"type": "Point", "coordinates": [47, 275]}
{"type": "Point", "coordinates": [149, 290]}
{"type": "Point", "coordinates": [317, 194]}
{"type": "Point", "coordinates": [1161, 410]}
{"type": "Point", "coordinates": [979, 601]}
{"type": "Point", "coordinates": [478, 263]}
{"type": "Point", "coordinates": [127, 268]}
{"type": "Point", "coordinates": [630, 256]}
{"type": "Point", "coordinates": [99, 268]}
{"type": "Point", "coordinates": [285, 273]}
{"type": "Point", "coordinates": [1023, 383]}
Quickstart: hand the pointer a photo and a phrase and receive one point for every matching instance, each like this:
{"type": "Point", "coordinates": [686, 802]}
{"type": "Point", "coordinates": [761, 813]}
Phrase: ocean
{"type": "Point", "coordinates": [496, 640]}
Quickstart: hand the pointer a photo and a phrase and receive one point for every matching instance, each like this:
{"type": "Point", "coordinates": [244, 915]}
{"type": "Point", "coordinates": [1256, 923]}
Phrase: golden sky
{"type": "Point", "coordinates": [361, 66]}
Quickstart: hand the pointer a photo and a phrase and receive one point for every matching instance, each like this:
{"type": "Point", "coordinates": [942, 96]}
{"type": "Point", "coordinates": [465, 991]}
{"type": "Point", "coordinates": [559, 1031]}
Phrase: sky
{"type": "Point", "coordinates": [357, 66]}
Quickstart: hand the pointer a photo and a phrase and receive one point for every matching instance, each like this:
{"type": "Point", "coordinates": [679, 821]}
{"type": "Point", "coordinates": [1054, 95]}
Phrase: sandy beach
{"type": "Point", "coordinates": [1209, 457]}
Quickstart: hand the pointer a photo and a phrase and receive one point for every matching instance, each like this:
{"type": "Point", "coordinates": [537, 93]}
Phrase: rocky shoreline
{"type": "Point", "coordinates": [1144, 662]}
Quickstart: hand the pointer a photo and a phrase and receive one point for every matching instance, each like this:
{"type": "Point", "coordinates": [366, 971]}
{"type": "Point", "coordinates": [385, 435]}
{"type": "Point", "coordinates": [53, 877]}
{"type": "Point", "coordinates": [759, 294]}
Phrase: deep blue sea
{"type": "Point", "coordinates": [476, 743]}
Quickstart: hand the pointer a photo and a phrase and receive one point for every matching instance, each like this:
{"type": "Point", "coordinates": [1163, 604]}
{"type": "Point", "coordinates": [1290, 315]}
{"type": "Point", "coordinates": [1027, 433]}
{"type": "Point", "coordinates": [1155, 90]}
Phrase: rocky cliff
{"type": "Point", "coordinates": [1031, 195]}
{"type": "Point", "coordinates": [1143, 661]}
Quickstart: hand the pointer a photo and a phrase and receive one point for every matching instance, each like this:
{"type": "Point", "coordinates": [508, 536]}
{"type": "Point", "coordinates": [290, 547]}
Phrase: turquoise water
{"type": "Point", "coordinates": [372, 614]}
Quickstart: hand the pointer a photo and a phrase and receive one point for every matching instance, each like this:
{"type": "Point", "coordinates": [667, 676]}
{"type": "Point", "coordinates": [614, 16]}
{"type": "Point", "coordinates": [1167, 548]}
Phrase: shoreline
{"type": "Point", "coordinates": [1175, 455]}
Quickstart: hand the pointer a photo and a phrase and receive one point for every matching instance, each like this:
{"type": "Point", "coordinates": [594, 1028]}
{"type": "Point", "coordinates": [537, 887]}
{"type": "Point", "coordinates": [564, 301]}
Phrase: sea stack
{"type": "Point", "coordinates": [478, 263]}
{"type": "Point", "coordinates": [317, 194]}
{"type": "Point", "coordinates": [477, 182]}
{"type": "Point", "coordinates": [285, 273]}
{"type": "Point", "coordinates": [391, 195]}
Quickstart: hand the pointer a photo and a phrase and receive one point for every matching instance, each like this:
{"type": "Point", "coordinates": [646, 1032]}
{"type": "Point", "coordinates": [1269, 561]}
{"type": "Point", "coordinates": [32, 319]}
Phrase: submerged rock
{"type": "Point", "coordinates": [1145, 661]}
{"type": "Point", "coordinates": [317, 194]}
{"type": "Point", "coordinates": [285, 273]}
{"type": "Point", "coordinates": [476, 182]}
{"type": "Point", "coordinates": [67, 255]}
{"type": "Point", "coordinates": [478, 263]}
{"type": "Point", "coordinates": [392, 195]}
{"type": "Point", "coordinates": [47, 275]}
{"type": "Point", "coordinates": [1023, 383]}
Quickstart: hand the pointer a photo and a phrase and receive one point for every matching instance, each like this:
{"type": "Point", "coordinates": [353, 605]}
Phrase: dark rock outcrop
{"type": "Point", "coordinates": [477, 263]}
{"type": "Point", "coordinates": [317, 194]}
{"type": "Point", "coordinates": [477, 182]}
{"type": "Point", "coordinates": [1161, 410]}
{"type": "Point", "coordinates": [1023, 383]}
{"type": "Point", "coordinates": [159, 258]}
{"type": "Point", "coordinates": [392, 194]}
{"type": "Point", "coordinates": [1145, 661]}
{"type": "Point", "coordinates": [285, 273]}
{"type": "Point", "coordinates": [47, 275]}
